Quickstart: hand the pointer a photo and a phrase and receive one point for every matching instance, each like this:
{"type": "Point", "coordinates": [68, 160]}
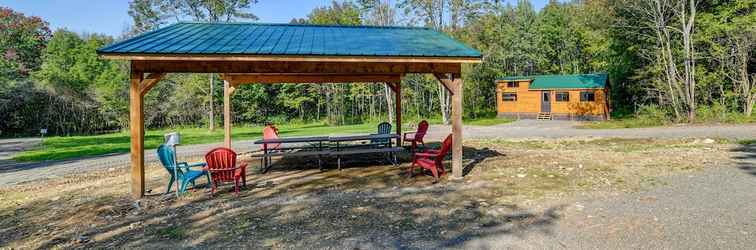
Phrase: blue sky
{"type": "Point", "coordinates": [110, 16]}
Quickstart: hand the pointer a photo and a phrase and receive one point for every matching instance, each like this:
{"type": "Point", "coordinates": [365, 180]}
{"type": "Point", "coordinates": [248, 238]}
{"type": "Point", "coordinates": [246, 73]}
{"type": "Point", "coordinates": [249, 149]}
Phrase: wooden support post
{"type": "Point", "coordinates": [456, 117]}
{"type": "Point", "coordinates": [454, 85]}
{"type": "Point", "coordinates": [136, 125]}
{"type": "Point", "coordinates": [227, 89]}
{"type": "Point", "coordinates": [398, 110]}
{"type": "Point", "coordinates": [138, 88]}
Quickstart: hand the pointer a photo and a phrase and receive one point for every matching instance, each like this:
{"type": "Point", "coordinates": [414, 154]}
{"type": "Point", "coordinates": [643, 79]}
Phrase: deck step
{"type": "Point", "coordinates": [544, 116]}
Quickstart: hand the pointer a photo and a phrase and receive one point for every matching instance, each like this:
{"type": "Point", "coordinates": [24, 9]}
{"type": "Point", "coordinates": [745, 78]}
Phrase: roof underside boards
{"type": "Point", "coordinates": [584, 81]}
{"type": "Point", "coordinates": [252, 39]}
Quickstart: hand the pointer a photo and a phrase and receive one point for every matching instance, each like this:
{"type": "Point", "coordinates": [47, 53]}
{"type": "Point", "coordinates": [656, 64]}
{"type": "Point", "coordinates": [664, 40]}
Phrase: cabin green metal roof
{"type": "Point", "coordinates": [193, 38]}
{"type": "Point", "coordinates": [583, 81]}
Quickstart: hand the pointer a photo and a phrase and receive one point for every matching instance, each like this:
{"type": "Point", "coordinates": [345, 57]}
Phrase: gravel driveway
{"type": "Point", "coordinates": [14, 172]}
{"type": "Point", "coordinates": [710, 209]}
{"type": "Point", "coordinates": [531, 129]}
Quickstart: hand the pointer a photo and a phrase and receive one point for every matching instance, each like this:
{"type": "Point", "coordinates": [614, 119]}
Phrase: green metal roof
{"type": "Point", "coordinates": [187, 38]}
{"type": "Point", "coordinates": [584, 81]}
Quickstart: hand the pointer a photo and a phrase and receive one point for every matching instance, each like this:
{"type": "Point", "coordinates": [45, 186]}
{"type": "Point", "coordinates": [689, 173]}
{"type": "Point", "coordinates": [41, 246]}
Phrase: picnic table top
{"type": "Point", "coordinates": [362, 137]}
{"type": "Point", "coordinates": [293, 139]}
{"type": "Point", "coordinates": [327, 138]}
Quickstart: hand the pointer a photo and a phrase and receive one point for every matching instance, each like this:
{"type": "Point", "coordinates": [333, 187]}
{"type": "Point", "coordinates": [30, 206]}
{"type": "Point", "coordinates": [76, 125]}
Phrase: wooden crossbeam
{"type": "Point", "coordinates": [446, 82]}
{"type": "Point", "coordinates": [149, 82]}
{"type": "Point", "coordinates": [255, 67]}
{"type": "Point", "coordinates": [309, 78]}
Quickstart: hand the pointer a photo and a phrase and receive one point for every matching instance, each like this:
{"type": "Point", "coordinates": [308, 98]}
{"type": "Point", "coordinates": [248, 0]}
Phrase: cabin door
{"type": "Point", "coordinates": [545, 102]}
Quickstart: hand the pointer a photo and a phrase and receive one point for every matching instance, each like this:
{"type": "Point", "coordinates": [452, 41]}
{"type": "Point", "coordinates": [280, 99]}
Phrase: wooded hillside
{"type": "Point", "coordinates": [680, 60]}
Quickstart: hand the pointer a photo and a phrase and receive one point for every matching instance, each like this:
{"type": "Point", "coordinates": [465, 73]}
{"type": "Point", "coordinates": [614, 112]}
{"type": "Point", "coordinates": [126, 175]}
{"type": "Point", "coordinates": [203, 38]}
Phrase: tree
{"type": "Point", "coordinates": [671, 24]}
{"type": "Point", "coordinates": [344, 13]}
{"type": "Point", "coordinates": [22, 40]}
{"type": "Point", "coordinates": [732, 45]}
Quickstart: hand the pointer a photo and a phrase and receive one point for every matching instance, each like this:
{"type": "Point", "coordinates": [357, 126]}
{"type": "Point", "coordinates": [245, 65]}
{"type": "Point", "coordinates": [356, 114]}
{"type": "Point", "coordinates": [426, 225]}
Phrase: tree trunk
{"type": "Point", "coordinates": [389, 102]}
{"type": "Point", "coordinates": [211, 122]}
{"type": "Point", "coordinates": [445, 101]}
{"type": "Point", "coordinates": [688, 29]}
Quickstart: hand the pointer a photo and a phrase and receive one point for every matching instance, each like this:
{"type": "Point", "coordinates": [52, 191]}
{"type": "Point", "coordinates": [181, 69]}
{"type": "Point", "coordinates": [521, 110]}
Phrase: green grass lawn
{"type": "Point", "coordinates": [488, 121]}
{"type": "Point", "coordinates": [70, 147]}
{"type": "Point", "coordinates": [645, 123]}
{"type": "Point", "coordinates": [621, 123]}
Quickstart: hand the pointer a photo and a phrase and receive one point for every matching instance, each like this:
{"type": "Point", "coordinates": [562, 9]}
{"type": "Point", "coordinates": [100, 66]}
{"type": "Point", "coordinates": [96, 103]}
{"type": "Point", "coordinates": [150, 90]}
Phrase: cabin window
{"type": "Point", "coordinates": [562, 96]}
{"type": "Point", "coordinates": [513, 84]}
{"type": "Point", "coordinates": [587, 96]}
{"type": "Point", "coordinates": [509, 97]}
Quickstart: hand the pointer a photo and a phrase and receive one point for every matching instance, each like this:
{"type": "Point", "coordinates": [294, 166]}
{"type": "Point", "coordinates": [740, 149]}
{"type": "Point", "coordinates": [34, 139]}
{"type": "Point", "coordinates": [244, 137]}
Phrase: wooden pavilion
{"type": "Point", "coordinates": [244, 53]}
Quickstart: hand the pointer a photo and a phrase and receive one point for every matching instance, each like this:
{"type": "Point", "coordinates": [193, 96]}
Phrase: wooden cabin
{"type": "Point", "coordinates": [564, 97]}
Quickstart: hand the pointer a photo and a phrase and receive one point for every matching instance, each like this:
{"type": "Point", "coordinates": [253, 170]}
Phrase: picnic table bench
{"type": "Point", "coordinates": [321, 146]}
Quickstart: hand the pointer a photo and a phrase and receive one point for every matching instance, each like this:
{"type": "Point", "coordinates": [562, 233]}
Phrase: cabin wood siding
{"type": "Point", "coordinates": [575, 106]}
{"type": "Point", "coordinates": [529, 101]}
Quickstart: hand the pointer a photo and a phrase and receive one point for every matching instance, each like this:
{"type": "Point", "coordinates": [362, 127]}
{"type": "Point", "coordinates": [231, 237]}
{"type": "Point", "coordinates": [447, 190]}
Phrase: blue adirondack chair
{"type": "Point", "coordinates": [384, 128]}
{"type": "Point", "coordinates": [185, 175]}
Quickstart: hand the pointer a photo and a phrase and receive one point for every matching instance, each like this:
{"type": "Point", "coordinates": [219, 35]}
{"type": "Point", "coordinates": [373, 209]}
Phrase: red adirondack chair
{"type": "Point", "coordinates": [417, 136]}
{"type": "Point", "coordinates": [221, 163]}
{"type": "Point", "coordinates": [271, 132]}
{"type": "Point", "coordinates": [432, 160]}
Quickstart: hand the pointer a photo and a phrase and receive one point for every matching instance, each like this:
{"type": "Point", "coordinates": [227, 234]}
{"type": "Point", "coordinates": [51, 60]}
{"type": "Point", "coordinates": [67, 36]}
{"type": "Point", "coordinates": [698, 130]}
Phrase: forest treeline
{"type": "Point", "coordinates": [678, 60]}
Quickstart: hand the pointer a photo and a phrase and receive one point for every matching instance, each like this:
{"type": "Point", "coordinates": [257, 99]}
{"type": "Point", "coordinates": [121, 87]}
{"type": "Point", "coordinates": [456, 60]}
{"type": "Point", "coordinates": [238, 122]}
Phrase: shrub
{"type": "Point", "coordinates": [652, 115]}
{"type": "Point", "coordinates": [714, 113]}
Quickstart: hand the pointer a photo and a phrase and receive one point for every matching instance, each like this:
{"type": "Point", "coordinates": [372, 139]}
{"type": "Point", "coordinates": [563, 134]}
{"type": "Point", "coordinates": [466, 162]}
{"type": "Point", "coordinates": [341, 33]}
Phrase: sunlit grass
{"type": "Point", "coordinates": [67, 147]}
{"type": "Point", "coordinates": [488, 121]}
{"type": "Point", "coordinates": [70, 147]}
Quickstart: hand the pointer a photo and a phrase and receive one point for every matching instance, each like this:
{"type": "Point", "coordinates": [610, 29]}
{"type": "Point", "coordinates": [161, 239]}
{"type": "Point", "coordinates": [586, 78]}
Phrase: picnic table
{"type": "Point", "coordinates": [321, 146]}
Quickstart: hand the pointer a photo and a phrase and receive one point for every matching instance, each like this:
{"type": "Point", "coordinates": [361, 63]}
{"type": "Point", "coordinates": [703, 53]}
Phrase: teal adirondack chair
{"type": "Point", "coordinates": [384, 128]}
{"type": "Point", "coordinates": [185, 175]}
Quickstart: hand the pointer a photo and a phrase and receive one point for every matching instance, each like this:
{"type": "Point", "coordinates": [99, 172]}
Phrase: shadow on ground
{"type": "Point", "coordinates": [292, 206]}
{"type": "Point", "coordinates": [746, 157]}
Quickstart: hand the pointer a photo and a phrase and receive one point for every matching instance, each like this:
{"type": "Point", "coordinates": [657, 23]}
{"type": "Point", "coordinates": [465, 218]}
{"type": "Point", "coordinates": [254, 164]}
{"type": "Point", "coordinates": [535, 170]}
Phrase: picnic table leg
{"type": "Point", "coordinates": [338, 156]}
{"type": "Point", "coordinates": [396, 160]}
{"type": "Point", "coordinates": [320, 149]}
{"type": "Point", "coordinates": [265, 160]}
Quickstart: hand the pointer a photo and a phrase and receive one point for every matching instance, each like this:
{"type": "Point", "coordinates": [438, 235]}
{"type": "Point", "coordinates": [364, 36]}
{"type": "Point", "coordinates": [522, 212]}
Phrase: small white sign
{"type": "Point", "coordinates": [173, 139]}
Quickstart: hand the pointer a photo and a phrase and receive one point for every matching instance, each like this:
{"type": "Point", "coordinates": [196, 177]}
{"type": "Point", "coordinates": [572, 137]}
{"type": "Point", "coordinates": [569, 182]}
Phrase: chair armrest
{"type": "Point", "coordinates": [241, 169]}
{"type": "Point", "coordinates": [409, 133]}
{"type": "Point", "coordinates": [426, 155]}
{"type": "Point", "coordinates": [197, 164]}
{"type": "Point", "coordinates": [221, 169]}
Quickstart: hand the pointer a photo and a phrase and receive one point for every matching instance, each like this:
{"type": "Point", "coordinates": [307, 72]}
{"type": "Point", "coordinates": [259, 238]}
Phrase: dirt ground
{"type": "Point", "coordinates": [511, 187]}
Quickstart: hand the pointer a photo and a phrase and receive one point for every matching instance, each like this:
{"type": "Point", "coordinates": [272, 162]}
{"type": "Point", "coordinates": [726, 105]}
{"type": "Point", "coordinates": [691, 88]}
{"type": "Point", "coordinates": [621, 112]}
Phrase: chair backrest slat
{"type": "Point", "coordinates": [167, 158]}
{"type": "Point", "coordinates": [445, 147]}
{"type": "Point", "coordinates": [422, 128]}
{"type": "Point", "coordinates": [221, 158]}
{"type": "Point", "coordinates": [384, 128]}
{"type": "Point", "coordinates": [269, 132]}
